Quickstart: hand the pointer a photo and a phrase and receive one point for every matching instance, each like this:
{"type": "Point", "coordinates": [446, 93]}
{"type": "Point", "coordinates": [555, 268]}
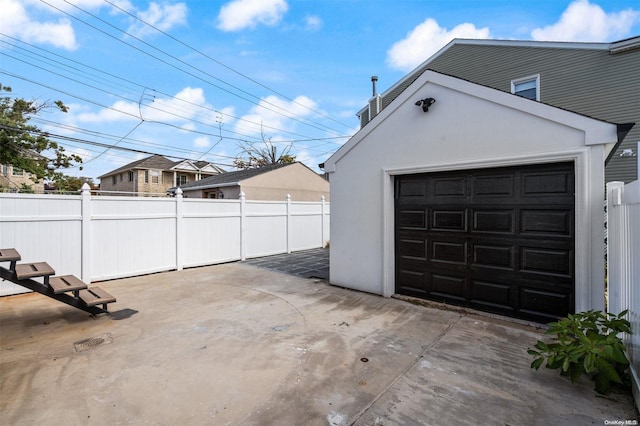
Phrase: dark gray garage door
{"type": "Point", "coordinates": [499, 240]}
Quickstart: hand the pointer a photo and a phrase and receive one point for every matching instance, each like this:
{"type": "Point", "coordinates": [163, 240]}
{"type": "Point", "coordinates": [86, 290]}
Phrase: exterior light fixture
{"type": "Point", "coordinates": [425, 103]}
{"type": "Point", "coordinates": [627, 153]}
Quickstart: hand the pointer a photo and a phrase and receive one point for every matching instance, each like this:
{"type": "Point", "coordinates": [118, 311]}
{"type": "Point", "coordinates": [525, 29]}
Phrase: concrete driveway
{"type": "Point", "coordinates": [235, 344]}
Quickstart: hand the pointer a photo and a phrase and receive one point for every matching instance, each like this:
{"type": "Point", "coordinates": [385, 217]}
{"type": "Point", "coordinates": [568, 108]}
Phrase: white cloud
{"type": "Point", "coordinates": [583, 21]}
{"type": "Point", "coordinates": [162, 16]}
{"type": "Point", "coordinates": [425, 40]}
{"type": "Point", "coordinates": [16, 22]}
{"type": "Point", "coordinates": [313, 23]}
{"type": "Point", "coordinates": [188, 104]}
{"type": "Point", "coordinates": [240, 14]}
{"type": "Point", "coordinates": [272, 113]}
{"type": "Point", "coordinates": [201, 142]}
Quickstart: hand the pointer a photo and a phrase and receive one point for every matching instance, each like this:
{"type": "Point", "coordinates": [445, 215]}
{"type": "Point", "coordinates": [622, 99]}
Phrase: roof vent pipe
{"type": "Point", "coordinates": [374, 79]}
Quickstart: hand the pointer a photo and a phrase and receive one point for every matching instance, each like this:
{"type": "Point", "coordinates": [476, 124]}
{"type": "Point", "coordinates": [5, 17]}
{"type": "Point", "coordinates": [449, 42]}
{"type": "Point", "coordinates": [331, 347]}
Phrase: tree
{"type": "Point", "coordinates": [262, 154]}
{"type": "Point", "coordinates": [63, 183]}
{"type": "Point", "coordinates": [26, 147]}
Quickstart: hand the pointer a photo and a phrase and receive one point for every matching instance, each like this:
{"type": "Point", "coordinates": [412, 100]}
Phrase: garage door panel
{"type": "Point", "coordinates": [416, 219]}
{"type": "Point", "coordinates": [449, 252]}
{"type": "Point", "coordinates": [448, 287]}
{"type": "Point", "coordinates": [547, 261]}
{"type": "Point", "coordinates": [546, 222]}
{"type": "Point", "coordinates": [494, 257]}
{"type": "Point", "coordinates": [492, 294]}
{"type": "Point", "coordinates": [556, 304]}
{"type": "Point", "coordinates": [449, 220]}
{"type": "Point", "coordinates": [450, 187]}
{"type": "Point", "coordinates": [500, 240]}
{"type": "Point", "coordinates": [492, 186]}
{"type": "Point", "coordinates": [412, 282]}
{"type": "Point", "coordinates": [551, 183]}
{"type": "Point", "coordinates": [494, 221]}
{"type": "Point", "coordinates": [413, 249]}
{"type": "Point", "coordinates": [411, 188]}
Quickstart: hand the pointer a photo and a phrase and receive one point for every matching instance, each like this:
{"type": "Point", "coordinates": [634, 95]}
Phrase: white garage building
{"type": "Point", "coordinates": [486, 200]}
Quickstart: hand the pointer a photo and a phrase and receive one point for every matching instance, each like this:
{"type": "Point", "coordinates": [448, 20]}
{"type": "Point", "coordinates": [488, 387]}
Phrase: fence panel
{"type": "Point", "coordinates": [41, 227]}
{"type": "Point", "coordinates": [623, 266]}
{"type": "Point", "coordinates": [265, 228]}
{"type": "Point", "coordinates": [132, 236]}
{"type": "Point", "coordinates": [105, 237]}
{"type": "Point", "coordinates": [306, 226]}
{"type": "Point", "coordinates": [211, 231]}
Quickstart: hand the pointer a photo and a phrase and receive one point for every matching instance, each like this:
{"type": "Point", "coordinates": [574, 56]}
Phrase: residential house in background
{"type": "Point", "coordinates": [600, 80]}
{"type": "Point", "coordinates": [14, 179]}
{"type": "Point", "coordinates": [271, 182]}
{"type": "Point", "coordinates": [156, 174]}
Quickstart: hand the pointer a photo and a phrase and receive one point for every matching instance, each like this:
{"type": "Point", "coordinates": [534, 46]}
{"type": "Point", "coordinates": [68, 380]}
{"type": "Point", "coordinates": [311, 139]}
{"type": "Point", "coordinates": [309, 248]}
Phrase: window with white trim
{"type": "Point", "coordinates": [527, 87]}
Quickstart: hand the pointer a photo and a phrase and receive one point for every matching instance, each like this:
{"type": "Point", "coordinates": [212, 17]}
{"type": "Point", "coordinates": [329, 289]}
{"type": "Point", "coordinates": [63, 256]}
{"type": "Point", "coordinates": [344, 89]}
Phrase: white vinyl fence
{"type": "Point", "coordinates": [623, 255]}
{"type": "Point", "coordinates": [104, 237]}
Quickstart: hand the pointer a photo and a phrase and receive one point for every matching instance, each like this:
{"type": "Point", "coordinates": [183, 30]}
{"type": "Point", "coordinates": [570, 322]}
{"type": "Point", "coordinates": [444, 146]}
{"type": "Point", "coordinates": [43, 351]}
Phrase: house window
{"type": "Point", "coordinates": [527, 87]}
{"type": "Point", "coordinates": [114, 179]}
{"type": "Point", "coordinates": [130, 176]}
{"type": "Point", "coordinates": [183, 179]}
{"type": "Point", "coordinates": [146, 176]}
{"type": "Point", "coordinates": [155, 176]}
{"type": "Point", "coordinates": [4, 169]}
{"type": "Point", "coordinates": [121, 176]}
{"type": "Point", "coordinates": [17, 171]}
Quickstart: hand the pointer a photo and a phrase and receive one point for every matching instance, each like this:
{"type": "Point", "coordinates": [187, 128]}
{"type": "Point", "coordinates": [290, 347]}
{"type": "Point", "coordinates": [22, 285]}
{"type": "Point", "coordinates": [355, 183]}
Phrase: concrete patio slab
{"type": "Point", "coordinates": [236, 344]}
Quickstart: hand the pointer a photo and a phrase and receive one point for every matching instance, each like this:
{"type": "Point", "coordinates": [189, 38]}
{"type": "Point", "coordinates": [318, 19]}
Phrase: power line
{"type": "Point", "coordinates": [94, 143]}
{"type": "Point", "coordinates": [245, 137]}
{"type": "Point", "coordinates": [224, 65]}
{"type": "Point", "coordinates": [287, 114]}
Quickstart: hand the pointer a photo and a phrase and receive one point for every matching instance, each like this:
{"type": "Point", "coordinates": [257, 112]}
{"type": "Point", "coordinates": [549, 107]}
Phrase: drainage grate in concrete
{"type": "Point", "coordinates": [92, 342]}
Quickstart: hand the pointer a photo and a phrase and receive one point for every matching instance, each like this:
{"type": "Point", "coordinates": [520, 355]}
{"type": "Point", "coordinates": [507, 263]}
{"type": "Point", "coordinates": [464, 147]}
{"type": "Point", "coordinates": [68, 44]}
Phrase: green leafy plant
{"type": "Point", "coordinates": [587, 343]}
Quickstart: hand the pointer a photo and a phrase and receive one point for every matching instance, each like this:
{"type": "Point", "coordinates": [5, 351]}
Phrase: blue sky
{"type": "Point", "coordinates": [195, 79]}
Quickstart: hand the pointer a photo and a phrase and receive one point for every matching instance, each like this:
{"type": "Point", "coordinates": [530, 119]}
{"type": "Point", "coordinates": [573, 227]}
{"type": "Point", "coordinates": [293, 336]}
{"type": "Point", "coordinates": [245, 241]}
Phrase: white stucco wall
{"type": "Point", "coordinates": [468, 127]}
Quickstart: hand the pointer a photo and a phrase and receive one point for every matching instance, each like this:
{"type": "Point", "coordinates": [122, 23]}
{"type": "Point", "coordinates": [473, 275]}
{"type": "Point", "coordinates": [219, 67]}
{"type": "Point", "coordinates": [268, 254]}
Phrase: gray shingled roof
{"type": "Point", "coordinates": [157, 162]}
{"type": "Point", "coordinates": [153, 162]}
{"type": "Point", "coordinates": [232, 177]}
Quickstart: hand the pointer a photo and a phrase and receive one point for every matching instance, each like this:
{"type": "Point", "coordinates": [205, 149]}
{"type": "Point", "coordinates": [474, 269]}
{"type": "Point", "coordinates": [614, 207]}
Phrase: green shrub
{"type": "Point", "coordinates": [587, 343]}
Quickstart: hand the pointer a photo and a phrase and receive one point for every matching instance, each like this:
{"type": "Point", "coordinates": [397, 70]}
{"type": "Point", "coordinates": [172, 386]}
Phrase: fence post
{"type": "Point", "coordinates": [85, 233]}
{"type": "Point", "coordinates": [243, 246]}
{"type": "Point", "coordinates": [288, 200]}
{"type": "Point", "coordinates": [179, 232]}
{"type": "Point", "coordinates": [616, 242]}
{"type": "Point", "coordinates": [322, 209]}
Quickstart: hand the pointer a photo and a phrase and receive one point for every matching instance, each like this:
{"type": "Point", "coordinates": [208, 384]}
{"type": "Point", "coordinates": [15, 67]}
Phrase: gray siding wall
{"type": "Point", "coordinates": [592, 82]}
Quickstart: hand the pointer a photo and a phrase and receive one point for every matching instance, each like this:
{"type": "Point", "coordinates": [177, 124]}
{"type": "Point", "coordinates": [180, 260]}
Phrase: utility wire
{"type": "Point", "coordinates": [286, 114]}
{"type": "Point", "coordinates": [143, 87]}
{"type": "Point", "coordinates": [224, 65]}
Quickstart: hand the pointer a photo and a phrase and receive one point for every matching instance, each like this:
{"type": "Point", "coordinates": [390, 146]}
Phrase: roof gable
{"type": "Point", "coordinates": [595, 131]}
{"type": "Point", "coordinates": [153, 162]}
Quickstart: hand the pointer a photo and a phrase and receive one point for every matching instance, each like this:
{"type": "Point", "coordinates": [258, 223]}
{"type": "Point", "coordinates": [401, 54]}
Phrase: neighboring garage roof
{"type": "Point", "coordinates": [227, 178]}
